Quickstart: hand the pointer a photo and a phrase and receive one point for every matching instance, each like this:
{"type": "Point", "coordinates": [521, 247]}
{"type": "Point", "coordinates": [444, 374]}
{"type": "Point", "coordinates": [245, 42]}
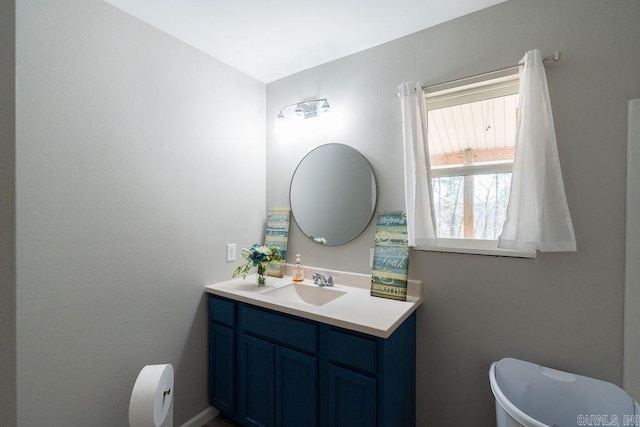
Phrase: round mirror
{"type": "Point", "coordinates": [333, 194]}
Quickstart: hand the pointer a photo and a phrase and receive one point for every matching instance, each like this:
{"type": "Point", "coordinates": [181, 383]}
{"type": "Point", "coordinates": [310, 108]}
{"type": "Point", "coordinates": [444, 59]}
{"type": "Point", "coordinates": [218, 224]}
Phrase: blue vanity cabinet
{"type": "Point", "coordinates": [351, 392]}
{"type": "Point", "coordinates": [366, 380]}
{"type": "Point", "coordinates": [296, 388]}
{"type": "Point", "coordinates": [278, 386]}
{"type": "Point", "coordinates": [222, 355]}
{"type": "Point", "coordinates": [278, 369]}
{"type": "Point", "coordinates": [351, 398]}
{"type": "Point", "coordinates": [256, 382]}
{"type": "Point", "coordinates": [284, 371]}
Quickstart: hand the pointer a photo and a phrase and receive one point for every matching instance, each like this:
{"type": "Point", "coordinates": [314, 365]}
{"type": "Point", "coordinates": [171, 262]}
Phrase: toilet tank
{"type": "Point", "coordinates": [534, 394]}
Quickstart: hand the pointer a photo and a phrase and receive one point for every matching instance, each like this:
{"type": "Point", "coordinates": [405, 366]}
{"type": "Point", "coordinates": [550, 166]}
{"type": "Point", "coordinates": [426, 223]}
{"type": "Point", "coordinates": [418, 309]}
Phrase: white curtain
{"type": "Point", "coordinates": [421, 228]}
{"type": "Point", "coordinates": [537, 215]}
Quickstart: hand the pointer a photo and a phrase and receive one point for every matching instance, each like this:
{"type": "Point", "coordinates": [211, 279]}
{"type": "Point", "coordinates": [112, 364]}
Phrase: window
{"type": "Point", "coordinates": [471, 136]}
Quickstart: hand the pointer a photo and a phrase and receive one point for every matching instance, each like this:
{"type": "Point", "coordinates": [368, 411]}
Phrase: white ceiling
{"type": "Point", "coordinates": [269, 40]}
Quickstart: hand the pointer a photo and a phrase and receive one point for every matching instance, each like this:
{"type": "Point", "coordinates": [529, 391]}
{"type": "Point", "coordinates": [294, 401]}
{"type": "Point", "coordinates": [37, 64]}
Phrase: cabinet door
{"type": "Point", "coordinates": [222, 368]}
{"type": "Point", "coordinates": [256, 388]}
{"type": "Point", "coordinates": [352, 398]}
{"type": "Point", "coordinates": [296, 389]}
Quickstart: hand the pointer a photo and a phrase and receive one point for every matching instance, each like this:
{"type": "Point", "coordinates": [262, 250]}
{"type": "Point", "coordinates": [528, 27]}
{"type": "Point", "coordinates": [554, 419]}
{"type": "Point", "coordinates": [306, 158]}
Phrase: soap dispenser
{"type": "Point", "coordinates": [298, 270]}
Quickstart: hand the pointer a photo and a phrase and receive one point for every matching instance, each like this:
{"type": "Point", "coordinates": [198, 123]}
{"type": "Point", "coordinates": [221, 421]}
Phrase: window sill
{"type": "Point", "coordinates": [476, 247]}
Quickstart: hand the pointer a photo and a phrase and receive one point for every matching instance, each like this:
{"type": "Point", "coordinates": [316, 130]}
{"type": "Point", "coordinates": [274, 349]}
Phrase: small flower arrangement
{"type": "Point", "coordinates": [257, 256]}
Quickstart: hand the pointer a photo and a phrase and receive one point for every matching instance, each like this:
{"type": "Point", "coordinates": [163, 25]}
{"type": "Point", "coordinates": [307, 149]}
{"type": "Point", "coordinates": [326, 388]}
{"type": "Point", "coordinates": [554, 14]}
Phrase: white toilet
{"type": "Point", "coordinates": [531, 395]}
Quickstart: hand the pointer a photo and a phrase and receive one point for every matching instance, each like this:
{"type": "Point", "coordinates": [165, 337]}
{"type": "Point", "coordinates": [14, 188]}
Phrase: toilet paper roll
{"type": "Point", "coordinates": [151, 396]}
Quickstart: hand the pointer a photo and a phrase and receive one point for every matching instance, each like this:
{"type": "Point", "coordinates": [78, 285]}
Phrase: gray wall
{"type": "Point", "coordinates": [7, 214]}
{"type": "Point", "coordinates": [564, 310]}
{"type": "Point", "coordinates": [138, 159]}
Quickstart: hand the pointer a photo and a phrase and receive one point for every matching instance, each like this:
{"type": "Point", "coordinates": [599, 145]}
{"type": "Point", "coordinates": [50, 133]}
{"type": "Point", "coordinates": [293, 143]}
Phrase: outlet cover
{"type": "Point", "coordinates": [231, 252]}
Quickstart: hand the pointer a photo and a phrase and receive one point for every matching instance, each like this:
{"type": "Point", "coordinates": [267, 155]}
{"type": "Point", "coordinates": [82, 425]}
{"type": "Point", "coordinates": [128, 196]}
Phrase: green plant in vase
{"type": "Point", "coordinates": [257, 256]}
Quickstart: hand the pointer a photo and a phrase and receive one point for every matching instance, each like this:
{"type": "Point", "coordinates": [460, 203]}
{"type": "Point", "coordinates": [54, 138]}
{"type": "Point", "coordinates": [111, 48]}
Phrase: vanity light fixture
{"type": "Point", "coordinates": [306, 109]}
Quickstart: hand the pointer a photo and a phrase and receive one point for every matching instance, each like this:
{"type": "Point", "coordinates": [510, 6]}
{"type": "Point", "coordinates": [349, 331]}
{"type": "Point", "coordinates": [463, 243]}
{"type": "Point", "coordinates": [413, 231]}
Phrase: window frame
{"type": "Point", "coordinates": [456, 93]}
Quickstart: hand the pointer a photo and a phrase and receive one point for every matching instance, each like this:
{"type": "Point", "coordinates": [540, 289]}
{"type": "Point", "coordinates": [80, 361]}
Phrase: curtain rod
{"type": "Point", "coordinates": [556, 56]}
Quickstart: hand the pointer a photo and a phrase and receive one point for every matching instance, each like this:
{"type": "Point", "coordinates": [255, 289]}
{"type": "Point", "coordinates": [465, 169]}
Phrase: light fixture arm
{"type": "Point", "coordinates": [295, 104]}
{"type": "Point", "coordinates": [307, 109]}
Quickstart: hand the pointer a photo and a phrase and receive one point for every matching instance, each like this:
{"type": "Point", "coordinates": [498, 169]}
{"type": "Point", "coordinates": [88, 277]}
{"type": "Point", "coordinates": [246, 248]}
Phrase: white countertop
{"type": "Point", "coordinates": [356, 310]}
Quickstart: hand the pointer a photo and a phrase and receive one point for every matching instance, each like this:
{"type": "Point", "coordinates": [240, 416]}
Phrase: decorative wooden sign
{"type": "Point", "coordinates": [390, 257]}
{"type": "Point", "coordinates": [277, 234]}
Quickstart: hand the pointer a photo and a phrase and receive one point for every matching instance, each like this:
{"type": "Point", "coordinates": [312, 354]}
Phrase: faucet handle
{"type": "Point", "coordinates": [317, 278]}
{"type": "Point", "coordinates": [329, 278]}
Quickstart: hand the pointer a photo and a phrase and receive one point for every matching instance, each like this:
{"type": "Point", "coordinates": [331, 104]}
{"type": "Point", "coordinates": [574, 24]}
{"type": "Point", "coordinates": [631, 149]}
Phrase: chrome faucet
{"type": "Point", "coordinates": [323, 279]}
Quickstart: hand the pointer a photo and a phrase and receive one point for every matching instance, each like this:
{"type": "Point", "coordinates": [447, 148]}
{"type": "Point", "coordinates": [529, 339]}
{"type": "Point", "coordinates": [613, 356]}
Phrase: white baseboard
{"type": "Point", "coordinates": [202, 418]}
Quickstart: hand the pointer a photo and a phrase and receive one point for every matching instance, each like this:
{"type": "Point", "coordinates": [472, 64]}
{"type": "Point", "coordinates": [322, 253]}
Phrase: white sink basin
{"type": "Point", "coordinates": [305, 294]}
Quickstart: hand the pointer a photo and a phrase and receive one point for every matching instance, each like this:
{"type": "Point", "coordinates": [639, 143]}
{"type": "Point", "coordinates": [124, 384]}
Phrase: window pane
{"type": "Point", "coordinates": [471, 137]}
{"type": "Point", "coordinates": [489, 205]}
{"type": "Point", "coordinates": [448, 200]}
{"type": "Point", "coordinates": [481, 132]}
{"type": "Point", "coordinates": [490, 198]}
